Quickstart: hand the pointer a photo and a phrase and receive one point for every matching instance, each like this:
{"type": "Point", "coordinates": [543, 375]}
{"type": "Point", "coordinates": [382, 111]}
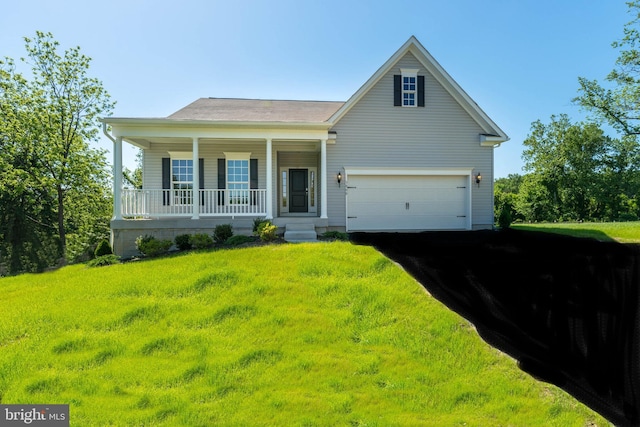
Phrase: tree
{"type": "Point", "coordinates": [534, 202]}
{"type": "Point", "coordinates": [47, 163]}
{"type": "Point", "coordinates": [619, 177]}
{"type": "Point", "coordinates": [577, 172]}
{"type": "Point", "coordinates": [506, 192]}
{"type": "Point", "coordinates": [133, 179]}
{"type": "Point", "coordinates": [619, 106]}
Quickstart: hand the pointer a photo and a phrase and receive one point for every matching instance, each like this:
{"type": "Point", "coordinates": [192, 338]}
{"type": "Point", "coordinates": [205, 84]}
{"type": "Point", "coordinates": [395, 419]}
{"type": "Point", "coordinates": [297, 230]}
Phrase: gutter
{"type": "Point", "coordinates": [104, 130]}
{"type": "Point", "coordinates": [490, 140]}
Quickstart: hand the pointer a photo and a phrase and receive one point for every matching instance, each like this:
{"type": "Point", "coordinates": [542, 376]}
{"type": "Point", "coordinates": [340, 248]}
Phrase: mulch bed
{"type": "Point", "coordinates": [567, 309]}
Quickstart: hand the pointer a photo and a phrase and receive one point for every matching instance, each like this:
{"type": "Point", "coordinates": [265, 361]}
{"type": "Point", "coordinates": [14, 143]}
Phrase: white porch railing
{"type": "Point", "coordinates": [157, 203]}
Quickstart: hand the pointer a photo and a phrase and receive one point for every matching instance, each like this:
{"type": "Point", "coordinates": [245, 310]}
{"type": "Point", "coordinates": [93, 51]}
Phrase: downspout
{"type": "Point", "coordinates": [104, 130]}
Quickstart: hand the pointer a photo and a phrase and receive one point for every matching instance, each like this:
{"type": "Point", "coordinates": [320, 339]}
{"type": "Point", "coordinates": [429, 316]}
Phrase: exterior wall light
{"type": "Point", "coordinates": [339, 178]}
{"type": "Point", "coordinates": [478, 178]}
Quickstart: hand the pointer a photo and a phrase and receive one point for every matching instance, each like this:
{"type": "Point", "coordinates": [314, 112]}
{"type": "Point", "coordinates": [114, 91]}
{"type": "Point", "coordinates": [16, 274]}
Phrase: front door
{"type": "Point", "coordinates": [298, 190]}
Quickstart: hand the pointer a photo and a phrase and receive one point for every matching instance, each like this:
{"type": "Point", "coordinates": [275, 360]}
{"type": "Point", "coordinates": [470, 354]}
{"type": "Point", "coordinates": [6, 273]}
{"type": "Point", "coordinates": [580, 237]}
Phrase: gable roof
{"type": "Point", "coordinates": [492, 133]}
{"type": "Point", "coordinates": [257, 110]}
{"type": "Point", "coordinates": [265, 112]}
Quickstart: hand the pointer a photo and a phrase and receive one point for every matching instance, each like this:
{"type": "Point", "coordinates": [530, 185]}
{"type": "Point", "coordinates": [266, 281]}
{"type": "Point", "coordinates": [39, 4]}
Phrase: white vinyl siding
{"type": "Point", "coordinates": [375, 134]}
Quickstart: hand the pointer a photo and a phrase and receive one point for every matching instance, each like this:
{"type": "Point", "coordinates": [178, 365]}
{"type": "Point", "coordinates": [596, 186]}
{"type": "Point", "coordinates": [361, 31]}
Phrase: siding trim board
{"type": "Point", "coordinates": [406, 171]}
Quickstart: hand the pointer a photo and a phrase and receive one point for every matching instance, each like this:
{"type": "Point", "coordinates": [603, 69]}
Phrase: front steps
{"type": "Point", "coordinates": [302, 232]}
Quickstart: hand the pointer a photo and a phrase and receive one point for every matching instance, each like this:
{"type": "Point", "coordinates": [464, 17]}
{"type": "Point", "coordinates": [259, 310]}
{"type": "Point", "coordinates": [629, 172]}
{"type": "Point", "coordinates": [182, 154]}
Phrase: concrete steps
{"type": "Point", "coordinates": [296, 233]}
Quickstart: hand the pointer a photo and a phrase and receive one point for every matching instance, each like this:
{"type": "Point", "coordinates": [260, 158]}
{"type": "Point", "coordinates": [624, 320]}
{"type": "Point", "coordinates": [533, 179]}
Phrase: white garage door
{"type": "Point", "coordinates": [391, 202]}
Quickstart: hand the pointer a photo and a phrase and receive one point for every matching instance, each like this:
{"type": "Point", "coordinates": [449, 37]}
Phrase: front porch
{"type": "Point", "coordinates": [156, 203]}
{"type": "Point", "coordinates": [196, 179]}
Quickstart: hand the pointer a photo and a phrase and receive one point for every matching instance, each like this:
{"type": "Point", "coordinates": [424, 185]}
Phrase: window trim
{"type": "Point", "coordinates": [407, 73]}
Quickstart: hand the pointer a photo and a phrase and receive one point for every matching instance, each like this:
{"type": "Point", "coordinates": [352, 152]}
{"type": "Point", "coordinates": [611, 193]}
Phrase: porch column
{"type": "Point", "coordinates": [195, 200]}
{"type": "Point", "coordinates": [269, 180]}
{"type": "Point", "coordinates": [325, 179]}
{"type": "Point", "coordinates": [117, 178]}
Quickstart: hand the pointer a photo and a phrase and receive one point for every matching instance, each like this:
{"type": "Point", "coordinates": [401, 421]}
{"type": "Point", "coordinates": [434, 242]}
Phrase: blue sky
{"type": "Point", "coordinates": [518, 59]}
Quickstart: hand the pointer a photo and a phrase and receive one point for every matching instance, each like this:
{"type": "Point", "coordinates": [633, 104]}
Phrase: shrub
{"type": "Point", "coordinates": [256, 224]}
{"type": "Point", "coordinates": [183, 242]}
{"type": "Point", "coordinates": [222, 233]}
{"type": "Point", "coordinates": [335, 235]}
{"type": "Point", "coordinates": [104, 260]}
{"type": "Point", "coordinates": [239, 240]}
{"type": "Point", "coordinates": [266, 231]}
{"type": "Point", "coordinates": [627, 217]}
{"type": "Point", "coordinates": [143, 241]}
{"type": "Point", "coordinates": [504, 216]}
{"type": "Point", "coordinates": [102, 249]}
{"type": "Point", "coordinates": [200, 241]}
{"type": "Point", "coordinates": [150, 246]}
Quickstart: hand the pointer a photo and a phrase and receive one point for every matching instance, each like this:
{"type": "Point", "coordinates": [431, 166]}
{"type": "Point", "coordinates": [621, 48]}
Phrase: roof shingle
{"type": "Point", "coordinates": [257, 110]}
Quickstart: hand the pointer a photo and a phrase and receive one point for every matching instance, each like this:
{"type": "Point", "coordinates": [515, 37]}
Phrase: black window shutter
{"type": "Point", "coordinates": [201, 179]}
{"type": "Point", "coordinates": [253, 179]}
{"type": "Point", "coordinates": [222, 181]}
{"type": "Point", "coordinates": [253, 174]}
{"type": "Point", "coordinates": [420, 91]}
{"type": "Point", "coordinates": [166, 180]}
{"type": "Point", "coordinates": [397, 90]}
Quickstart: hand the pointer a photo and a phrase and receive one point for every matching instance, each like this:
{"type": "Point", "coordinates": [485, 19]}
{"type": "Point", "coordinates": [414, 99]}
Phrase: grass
{"type": "Point", "coordinates": [623, 232]}
{"type": "Point", "coordinates": [322, 334]}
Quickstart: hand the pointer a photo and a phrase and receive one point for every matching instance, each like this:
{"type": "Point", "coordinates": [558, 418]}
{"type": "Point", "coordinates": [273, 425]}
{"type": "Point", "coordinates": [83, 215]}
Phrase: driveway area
{"type": "Point", "coordinates": [567, 309]}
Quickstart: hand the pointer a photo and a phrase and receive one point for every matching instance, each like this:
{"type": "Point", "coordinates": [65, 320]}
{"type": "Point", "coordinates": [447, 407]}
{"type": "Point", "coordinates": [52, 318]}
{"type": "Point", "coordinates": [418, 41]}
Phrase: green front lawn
{"type": "Point", "coordinates": [322, 334]}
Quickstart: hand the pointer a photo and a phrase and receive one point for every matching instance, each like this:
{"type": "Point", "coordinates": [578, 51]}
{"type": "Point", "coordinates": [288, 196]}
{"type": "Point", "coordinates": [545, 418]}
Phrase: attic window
{"type": "Point", "coordinates": [408, 88]}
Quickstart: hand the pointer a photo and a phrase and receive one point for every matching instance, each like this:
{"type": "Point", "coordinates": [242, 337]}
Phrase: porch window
{"type": "Point", "coordinates": [238, 182]}
{"type": "Point", "coordinates": [182, 181]}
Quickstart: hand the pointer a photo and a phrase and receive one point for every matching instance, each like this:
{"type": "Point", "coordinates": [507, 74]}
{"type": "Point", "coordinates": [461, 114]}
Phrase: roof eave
{"type": "Point", "coordinates": [128, 121]}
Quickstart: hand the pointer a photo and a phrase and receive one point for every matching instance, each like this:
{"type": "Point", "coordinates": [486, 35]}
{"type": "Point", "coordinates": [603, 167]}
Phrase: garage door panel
{"type": "Point", "coordinates": [376, 202]}
{"type": "Point", "coordinates": [442, 207]}
{"type": "Point", "coordinates": [378, 209]}
{"type": "Point", "coordinates": [417, 223]}
{"type": "Point", "coordinates": [369, 194]}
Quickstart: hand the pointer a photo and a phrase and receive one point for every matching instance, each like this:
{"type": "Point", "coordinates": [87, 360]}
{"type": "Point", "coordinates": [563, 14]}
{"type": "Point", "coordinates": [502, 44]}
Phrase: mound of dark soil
{"type": "Point", "coordinates": [566, 308]}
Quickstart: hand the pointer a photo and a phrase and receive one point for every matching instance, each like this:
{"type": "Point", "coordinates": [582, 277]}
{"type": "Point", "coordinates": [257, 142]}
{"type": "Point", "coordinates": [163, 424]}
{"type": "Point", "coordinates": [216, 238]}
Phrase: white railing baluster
{"type": "Point", "coordinates": [138, 204]}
